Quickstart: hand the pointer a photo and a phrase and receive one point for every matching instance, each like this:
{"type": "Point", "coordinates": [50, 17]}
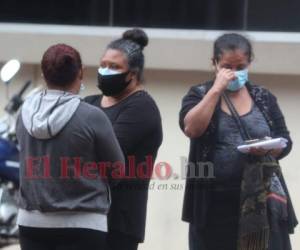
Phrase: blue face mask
{"type": "Point", "coordinates": [240, 81]}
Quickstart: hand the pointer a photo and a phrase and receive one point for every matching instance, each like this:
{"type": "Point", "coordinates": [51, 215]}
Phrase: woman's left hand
{"type": "Point", "coordinates": [261, 152]}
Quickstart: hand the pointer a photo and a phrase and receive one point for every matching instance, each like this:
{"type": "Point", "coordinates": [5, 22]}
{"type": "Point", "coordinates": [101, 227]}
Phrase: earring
{"type": "Point", "coordinates": [82, 87]}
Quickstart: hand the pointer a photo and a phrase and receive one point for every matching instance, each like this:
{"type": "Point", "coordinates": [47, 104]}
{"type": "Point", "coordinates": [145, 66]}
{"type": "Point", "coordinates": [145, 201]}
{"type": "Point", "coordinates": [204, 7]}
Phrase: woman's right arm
{"type": "Point", "coordinates": [198, 117]}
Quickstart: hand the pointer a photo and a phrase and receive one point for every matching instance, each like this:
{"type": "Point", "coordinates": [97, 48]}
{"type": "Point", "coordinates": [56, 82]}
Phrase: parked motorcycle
{"type": "Point", "coordinates": [9, 159]}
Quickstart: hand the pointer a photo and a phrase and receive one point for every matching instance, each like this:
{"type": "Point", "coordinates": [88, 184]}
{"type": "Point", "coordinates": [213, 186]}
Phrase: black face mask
{"type": "Point", "coordinates": [112, 85]}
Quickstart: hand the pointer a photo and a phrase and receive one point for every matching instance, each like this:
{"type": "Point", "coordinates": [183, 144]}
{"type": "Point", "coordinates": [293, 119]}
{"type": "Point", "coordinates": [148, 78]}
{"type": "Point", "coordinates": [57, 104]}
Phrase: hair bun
{"type": "Point", "coordinates": [62, 60]}
{"type": "Point", "coordinates": [136, 35]}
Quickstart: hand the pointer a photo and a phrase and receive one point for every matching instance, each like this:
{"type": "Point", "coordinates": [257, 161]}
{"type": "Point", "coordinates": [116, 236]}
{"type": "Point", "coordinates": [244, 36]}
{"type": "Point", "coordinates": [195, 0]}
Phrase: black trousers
{"type": "Point", "coordinates": [221, 231]}
{"type": "Point", "coordinates": [61, 239]}
{"type": "Point", "coordinates": [120, 241]}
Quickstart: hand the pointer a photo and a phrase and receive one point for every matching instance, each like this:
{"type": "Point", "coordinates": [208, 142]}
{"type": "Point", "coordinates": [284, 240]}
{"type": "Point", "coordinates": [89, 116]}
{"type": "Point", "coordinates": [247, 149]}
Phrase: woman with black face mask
{"type": "Point", "coordinates": [137, 124]}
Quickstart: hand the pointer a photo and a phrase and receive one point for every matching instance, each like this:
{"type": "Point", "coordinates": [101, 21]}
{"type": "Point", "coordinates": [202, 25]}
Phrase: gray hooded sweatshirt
{"type": "Point", "coordinates": [63, 141]}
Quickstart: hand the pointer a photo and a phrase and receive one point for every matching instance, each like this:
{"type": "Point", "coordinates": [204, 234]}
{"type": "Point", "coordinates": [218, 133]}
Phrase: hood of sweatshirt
{"type": "Point", "coordinates": [46, 113]}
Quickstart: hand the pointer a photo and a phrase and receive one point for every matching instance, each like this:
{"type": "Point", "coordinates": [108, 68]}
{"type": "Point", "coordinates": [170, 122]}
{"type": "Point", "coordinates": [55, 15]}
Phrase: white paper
{"type": "Point", "coordinates": [276, 143]}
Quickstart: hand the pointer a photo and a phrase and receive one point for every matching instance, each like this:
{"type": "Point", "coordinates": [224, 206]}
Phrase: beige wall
{"type": "Point", "coordinates": [277, 53]}
{"type": "Point", "coordinates": [164, 227]}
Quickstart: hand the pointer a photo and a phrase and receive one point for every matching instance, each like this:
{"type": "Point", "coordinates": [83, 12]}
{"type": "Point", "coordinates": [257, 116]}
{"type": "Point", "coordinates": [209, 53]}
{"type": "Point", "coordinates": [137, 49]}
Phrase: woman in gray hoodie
{"type": "Point", "coordinates": [67, 151]}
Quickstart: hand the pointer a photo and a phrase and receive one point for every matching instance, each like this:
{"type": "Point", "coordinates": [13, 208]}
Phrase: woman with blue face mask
{"type": "Point", "coordinates": [214, 207]}
{"type": "Point", "coordinates": [136, 121]}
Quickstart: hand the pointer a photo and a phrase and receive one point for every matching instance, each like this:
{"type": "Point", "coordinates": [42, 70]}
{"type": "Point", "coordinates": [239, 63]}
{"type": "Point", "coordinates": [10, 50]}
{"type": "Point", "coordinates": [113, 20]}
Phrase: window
{"type": "Point", "coordinates": [266, 15]}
